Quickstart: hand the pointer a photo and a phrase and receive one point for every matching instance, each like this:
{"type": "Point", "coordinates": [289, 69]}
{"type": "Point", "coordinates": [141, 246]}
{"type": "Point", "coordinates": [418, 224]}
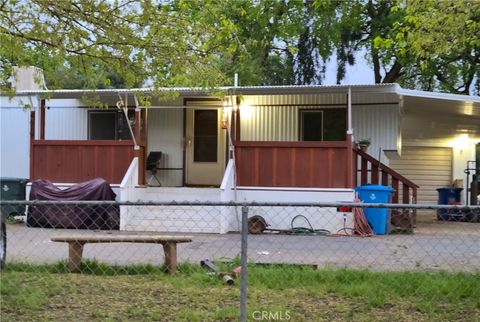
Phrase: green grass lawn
{"type": "Point", "coordinates": [147, 293]}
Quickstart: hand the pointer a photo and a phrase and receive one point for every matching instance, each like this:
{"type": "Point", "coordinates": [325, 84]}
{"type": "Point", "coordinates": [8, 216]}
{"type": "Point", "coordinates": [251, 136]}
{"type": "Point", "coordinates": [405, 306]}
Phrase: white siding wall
{"type": "Point", "coordinates": [269, 123]}
{"type": "Point", "coordinates": [66, 123]}
{"type": "Point", "coordinates": [269, 118]}
{"type": "Point", "coordinates": [15, 135]}
{"type": "Point", "coordinates": [181, 219]}
{"type": "Point", "coordinates": [14, 142]}
{"type": "Point", "coordinates": [380, 124]}
{"type": "Point", "coordinates": [165, 134]}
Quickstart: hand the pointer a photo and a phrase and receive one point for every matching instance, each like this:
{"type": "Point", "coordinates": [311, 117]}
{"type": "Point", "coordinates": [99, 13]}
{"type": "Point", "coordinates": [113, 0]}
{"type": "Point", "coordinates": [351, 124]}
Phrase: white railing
{"type": "Point", "coordinates": [129, 182]}
{"type": "Point", "coordinates": [127, 190]}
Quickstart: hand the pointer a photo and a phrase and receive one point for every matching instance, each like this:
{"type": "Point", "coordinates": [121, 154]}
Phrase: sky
{"type": "Point", "coordinates": [360, 73]}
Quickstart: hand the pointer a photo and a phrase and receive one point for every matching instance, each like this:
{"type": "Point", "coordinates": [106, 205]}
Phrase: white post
{"type": "Point", "coordinates": [349, 111]}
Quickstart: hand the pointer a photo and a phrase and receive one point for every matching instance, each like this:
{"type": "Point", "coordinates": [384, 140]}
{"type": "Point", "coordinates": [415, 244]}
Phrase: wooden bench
{"type": "Point", "coordinates": [76, 241]}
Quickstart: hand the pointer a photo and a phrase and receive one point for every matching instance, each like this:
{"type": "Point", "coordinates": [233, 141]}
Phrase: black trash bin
{"type": "Point", "coordinates": [12, 189]}
{"type": "Point", "coordinates": [448, 196]}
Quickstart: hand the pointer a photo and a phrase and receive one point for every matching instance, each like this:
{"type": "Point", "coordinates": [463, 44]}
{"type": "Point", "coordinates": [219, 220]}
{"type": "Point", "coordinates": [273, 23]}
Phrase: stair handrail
{"type": "Point", "coordinates": [385, 168]}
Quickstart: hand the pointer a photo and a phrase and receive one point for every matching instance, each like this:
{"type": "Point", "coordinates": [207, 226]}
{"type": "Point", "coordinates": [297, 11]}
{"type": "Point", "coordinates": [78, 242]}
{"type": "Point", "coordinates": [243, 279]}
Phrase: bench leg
{"type": "Point", "coordinates": [75, 252]}
{"type": "Point", "coordinates": [170, 250]}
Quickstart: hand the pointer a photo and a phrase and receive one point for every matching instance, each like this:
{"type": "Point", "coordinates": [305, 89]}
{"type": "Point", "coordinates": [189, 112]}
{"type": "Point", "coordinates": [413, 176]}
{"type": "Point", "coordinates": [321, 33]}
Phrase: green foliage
{"type": "Point", "coordinates": [96, 44]}
{"type": "Point", "coordinates": [432, 45]}
{"type": "Point", "coordinates": [438, 42]}
{"type": "Point", "coordinates": [263, 30]}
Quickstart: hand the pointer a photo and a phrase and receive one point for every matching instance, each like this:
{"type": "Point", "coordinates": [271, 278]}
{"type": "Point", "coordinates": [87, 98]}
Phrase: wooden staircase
{"type": "Point", "coordinates": [368, 170]}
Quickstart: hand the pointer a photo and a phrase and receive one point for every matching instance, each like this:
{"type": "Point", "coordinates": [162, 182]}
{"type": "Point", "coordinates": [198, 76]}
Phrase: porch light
{"type": "Point", "coordinates": [224, 124]}
{"type": "Point", "coordinates": [226, 114]}
{"type": "Point", "coordinates": [461, 142]}
{"type": "Point", "coordinates": [246, 110]}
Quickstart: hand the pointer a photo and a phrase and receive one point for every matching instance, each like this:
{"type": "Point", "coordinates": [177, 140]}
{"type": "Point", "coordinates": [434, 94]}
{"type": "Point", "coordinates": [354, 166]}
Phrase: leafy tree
{"type": "Point", "coordinates": [279, 42]}
{"type": "Point", "coordinates": [264, 31]}
{"type": "Point", "coordinates": [308, 69]}
{"type": "Point", "coordinates": [443, 37]}
{"type": "Point", "coordinates": [100, 42]}
{"type": "Point", "coordinates": [360, 25]}
{"type": "Point", "coordinates": [430, 45]}
{"type": "Point", "coordinates": [423, 44]}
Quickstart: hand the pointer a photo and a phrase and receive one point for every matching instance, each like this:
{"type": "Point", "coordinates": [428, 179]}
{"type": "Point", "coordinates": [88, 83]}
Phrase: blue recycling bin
{"type": "Point", "coordinates": [376, 217]}
{"type": "Point", "coordinates": [448, 196]}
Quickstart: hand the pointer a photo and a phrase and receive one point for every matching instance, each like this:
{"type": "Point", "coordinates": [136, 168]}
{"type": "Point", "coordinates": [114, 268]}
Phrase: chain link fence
{"type": "Point", "coordinates": [250, 245]}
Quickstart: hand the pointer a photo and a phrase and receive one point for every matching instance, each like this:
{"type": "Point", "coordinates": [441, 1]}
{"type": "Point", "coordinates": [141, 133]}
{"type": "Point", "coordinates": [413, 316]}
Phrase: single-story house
{"type": "Point", "coordinates": [258, 143]}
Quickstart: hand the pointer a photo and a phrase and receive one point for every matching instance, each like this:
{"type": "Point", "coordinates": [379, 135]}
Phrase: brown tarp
{"type": "Point", "coordinates": [73, 216]}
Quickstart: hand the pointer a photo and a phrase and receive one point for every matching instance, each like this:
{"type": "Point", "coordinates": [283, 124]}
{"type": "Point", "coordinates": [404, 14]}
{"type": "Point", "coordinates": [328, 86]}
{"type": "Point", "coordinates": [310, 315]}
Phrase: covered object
{"type": "Point", "coordinates": [71, 215]}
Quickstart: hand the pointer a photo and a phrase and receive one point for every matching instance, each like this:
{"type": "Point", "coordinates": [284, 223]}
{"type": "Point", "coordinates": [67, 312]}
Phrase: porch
{"type": "Point", "coordinates": [281, 126]}
{"type": "Point", "coordinates": [258, 147]}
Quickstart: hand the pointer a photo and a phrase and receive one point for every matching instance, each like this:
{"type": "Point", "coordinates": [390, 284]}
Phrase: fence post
{"type": "Point", "coordinates": [243, 259]}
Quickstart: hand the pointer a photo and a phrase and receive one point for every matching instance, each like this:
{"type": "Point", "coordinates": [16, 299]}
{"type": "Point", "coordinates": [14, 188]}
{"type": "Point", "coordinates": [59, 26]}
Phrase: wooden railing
{"type": "Point", "coordinates": [80, 160]}
{"type": "Point", "coordinates": [74, 161]}
{"type": "Point", "coordinates": [368, 170]}
{"type": "Point", "coordinates": [294, 164]}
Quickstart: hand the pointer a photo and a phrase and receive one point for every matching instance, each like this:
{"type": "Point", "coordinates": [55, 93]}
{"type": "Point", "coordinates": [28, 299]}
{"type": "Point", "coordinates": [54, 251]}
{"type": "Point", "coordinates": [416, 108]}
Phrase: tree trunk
{"type": "Point", "coordinates": [376, 66]}
{"type": "Point", "coordinates": [394, 73]}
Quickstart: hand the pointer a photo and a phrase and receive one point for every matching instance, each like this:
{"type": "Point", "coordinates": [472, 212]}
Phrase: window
{"type": "Point", "coordinates": [311, 125]}
{"type": "Point", "coordinates": [328, 124]}
{"type": "Point", "coordinates": [205, 136]}
{"type": "Point", "coordinates": [109, 125]}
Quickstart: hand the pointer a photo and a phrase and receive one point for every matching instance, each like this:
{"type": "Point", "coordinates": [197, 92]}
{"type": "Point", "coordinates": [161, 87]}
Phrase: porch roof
{"type": "Point", "coordinates": [455, 103]}
{"type": "Point", "coordinates": [439, 116]}
{"type": "Point", "coordinates": [197, 91]}
{"type": "Point", "coordinates": [361, 94]}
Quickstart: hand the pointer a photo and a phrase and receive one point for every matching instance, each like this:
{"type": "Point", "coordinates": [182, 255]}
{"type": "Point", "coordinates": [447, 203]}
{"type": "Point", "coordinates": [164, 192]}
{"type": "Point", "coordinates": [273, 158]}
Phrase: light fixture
{"type": "Point", "coordinates": [461, 142]}
{"type": "Point", "coordinates": [226, 113]}
{"type": "Point", "coordinates": [246, 110]}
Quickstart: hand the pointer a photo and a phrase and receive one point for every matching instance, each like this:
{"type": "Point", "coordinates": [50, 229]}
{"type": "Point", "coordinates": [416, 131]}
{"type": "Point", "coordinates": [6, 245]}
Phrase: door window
{"type": "Point", "coordinates": [205, 136]}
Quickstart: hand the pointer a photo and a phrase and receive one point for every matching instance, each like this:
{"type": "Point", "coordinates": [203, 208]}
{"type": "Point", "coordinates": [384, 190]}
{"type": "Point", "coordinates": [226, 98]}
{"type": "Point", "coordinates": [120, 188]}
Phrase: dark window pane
{"type": "Point", "coordinates": [205, 136]}
{"type": "Point", "coordinates": [102, 126]}
{"type": "Point", "coordinates": [334, 124]}
{"type": "Point", "coordinates": [123, 132]}
{"type": "Point", "coordinates": [311, 125]}
{"type": "Point", "coordinates": [327, 124]}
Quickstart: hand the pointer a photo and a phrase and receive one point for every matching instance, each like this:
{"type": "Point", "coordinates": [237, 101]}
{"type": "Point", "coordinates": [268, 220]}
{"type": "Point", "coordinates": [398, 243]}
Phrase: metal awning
{"type": "Point", "coordinates": [439, 116]}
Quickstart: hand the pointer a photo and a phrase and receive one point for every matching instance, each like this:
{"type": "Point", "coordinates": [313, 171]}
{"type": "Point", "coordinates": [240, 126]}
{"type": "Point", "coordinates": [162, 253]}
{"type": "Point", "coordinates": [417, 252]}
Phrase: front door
{"type": "Point", "coordinates": [205, 146]}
